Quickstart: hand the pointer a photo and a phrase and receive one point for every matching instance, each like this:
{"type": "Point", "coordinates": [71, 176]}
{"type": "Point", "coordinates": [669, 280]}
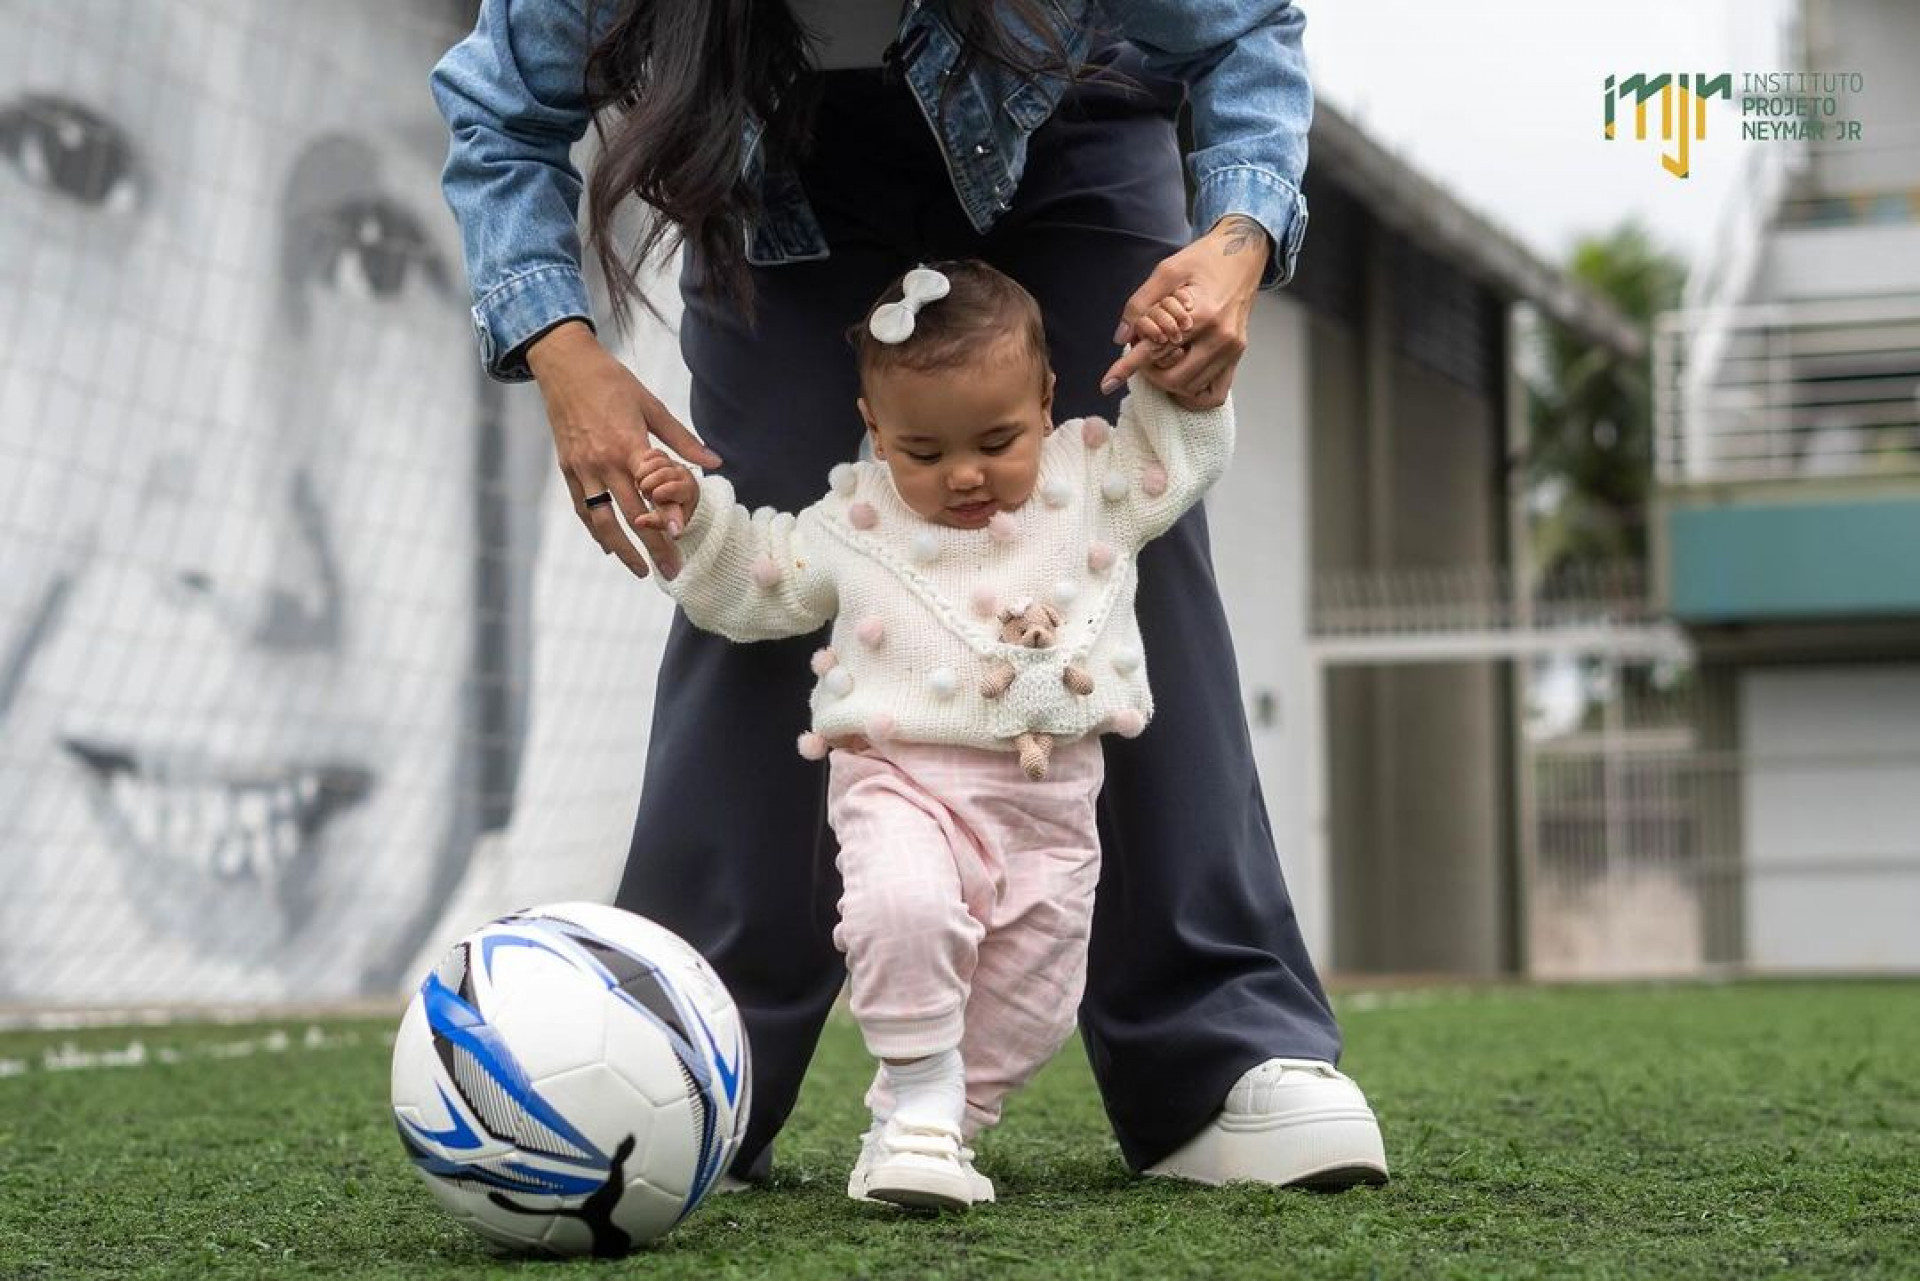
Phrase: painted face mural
{"type": "Point", "coordinates": [252, 622]}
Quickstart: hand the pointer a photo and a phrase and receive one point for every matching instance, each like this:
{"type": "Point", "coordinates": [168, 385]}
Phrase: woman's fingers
{"type": "Point", "coordinates": [1201, 383]}
{"type": "Point", "coordinates": [1159, 317]}
{"type": "Point", "coordinates": [675, 435]}
{"type": "Point", "coordinates": [602, 522]}
{"type": "Point", "coordinates": [1197, 375]}
{"type": "Point", "coordinates": [603, 421]}
{"type": "Point", "coordinates": [1214, 284]}
{"type": "Point", "coordinates": [1131, 362]}
{"type": "Point", "coordinates": [1169, 355]}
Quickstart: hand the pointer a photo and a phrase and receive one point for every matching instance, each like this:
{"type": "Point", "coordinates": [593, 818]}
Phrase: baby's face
{"type": "Point", "coordinates": [963, 444]}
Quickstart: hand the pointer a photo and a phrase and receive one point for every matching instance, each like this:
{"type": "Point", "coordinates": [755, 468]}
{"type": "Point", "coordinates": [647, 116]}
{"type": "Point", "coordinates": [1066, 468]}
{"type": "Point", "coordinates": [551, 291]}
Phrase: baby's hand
{"type": "Point", "coordinates": [1167, 322]}
{"type": "Point", "coordinates": [672, 492]}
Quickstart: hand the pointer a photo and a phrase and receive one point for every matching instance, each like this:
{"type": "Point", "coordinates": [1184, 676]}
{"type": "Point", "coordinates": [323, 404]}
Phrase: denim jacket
{"type": "Point", "coordinates": [513, 97]}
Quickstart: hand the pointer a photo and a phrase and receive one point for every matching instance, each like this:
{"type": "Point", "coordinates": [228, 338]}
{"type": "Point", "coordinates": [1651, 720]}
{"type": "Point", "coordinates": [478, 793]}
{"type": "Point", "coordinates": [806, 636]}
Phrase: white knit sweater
{"type": "Point", "coordinates": [915, 604]}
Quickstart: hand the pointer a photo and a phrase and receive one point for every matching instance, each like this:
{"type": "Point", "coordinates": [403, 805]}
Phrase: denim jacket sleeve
{"type": "Point", "coordinates": [513, 94]}
{"type": "Point", "coordinates": [1251, 101]}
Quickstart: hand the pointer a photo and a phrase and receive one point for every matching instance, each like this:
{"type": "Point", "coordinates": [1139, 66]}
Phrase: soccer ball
{"type": "Point", "coordinates": [571, 1079]}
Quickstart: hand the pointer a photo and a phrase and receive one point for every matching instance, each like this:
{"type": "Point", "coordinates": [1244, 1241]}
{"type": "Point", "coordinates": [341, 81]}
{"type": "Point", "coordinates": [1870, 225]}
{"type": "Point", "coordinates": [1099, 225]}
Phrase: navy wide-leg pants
{"type": "Point", "coordinates": [1197, 969]}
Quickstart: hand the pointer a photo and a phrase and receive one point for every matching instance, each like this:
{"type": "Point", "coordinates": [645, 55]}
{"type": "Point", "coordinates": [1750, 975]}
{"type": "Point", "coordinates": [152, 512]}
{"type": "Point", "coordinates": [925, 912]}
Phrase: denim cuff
{"type": "Point", "coordinates": [1263, 196]}
{"type": "Point", "coordinates": [515, 313]}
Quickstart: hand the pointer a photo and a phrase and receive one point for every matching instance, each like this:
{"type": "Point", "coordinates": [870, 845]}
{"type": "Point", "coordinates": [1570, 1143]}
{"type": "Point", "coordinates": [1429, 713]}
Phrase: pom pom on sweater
{"type": "Point", "coordinates": [1002, 529]}
{"type": "Point", "coordinates": [942, 616]}
{"type": "Point", "coordinates": [766, 574]}
{"type": "Point", "coordinates": [1153, 479]}
{"type": "Point", "coordinates": [1114, 487]}
{"type": "Point", "coordinates": [813, 746]}
{"type": "Point", "coordinates": [871, 631]}
{"type": "Point", "coordinates": [1128, 722]}
{"type": "Point", "coordinates": [843, 479]}
{"type": "Point", "coordinates": [1095, 431]}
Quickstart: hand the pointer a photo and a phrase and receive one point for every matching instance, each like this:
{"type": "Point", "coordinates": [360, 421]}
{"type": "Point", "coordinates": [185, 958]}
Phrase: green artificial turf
{"type": "Point", "coordinates": [1748, 1130]}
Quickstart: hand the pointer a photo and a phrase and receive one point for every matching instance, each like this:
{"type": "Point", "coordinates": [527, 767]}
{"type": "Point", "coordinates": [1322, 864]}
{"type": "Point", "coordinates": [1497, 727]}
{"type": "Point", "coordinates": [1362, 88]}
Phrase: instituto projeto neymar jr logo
{"type": "Point", "coordinates": [1775, 107]}
{"type": "Point", "coordinates": [1683, 109]}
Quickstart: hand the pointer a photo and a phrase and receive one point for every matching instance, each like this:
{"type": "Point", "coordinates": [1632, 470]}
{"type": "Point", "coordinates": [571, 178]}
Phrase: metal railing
{"type": "Point", "coordinates": [1642, 860]}
{"type": "Point", "coordinates": [1453, 599]}
{"type": "Point", "coordinates": [1788, 391]}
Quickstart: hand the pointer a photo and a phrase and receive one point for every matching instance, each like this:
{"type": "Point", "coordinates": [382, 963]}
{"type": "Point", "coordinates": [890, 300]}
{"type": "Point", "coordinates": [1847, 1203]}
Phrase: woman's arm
{"type": "Point", "coordinates": [513, 94]}
{"type": "Point", "coordinates": [1252, 104]}
{"type": "Point", "coordinates": [514, 97]}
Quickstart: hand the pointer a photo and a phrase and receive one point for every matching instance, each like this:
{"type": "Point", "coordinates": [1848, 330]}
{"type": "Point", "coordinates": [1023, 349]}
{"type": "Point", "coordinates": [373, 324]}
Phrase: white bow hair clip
{"type": "Point", "coordinates": [893, 322]}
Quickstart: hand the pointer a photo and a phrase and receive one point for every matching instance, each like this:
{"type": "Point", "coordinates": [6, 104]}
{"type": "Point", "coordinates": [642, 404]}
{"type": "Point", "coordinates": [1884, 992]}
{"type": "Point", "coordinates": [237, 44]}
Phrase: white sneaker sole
{"type": "Point", "coordinates": [979, 1188]}
{"type": "Point", "coordinates": [1328, 1149]}
{"type": "Point", "coordinates": [920, 1183]}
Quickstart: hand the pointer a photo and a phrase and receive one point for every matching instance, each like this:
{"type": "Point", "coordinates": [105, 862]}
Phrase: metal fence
{"type": "Point", "coordinates": [1788, 391]}
{"type": "Point", "coordinates": [1656, 833]}
{"type": "Point", "coordinates": [1661, 845]}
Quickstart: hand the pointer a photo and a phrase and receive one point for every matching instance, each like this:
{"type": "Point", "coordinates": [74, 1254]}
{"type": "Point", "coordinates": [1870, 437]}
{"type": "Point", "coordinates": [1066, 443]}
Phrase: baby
{"type": "Point", "coordinates": [979, 575]}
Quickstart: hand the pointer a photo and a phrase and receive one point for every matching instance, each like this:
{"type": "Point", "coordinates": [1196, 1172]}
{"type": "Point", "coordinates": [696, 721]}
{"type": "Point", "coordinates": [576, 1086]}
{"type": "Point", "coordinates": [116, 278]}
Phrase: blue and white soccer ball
{"type": "Point", "coordinates": [571, 1079]}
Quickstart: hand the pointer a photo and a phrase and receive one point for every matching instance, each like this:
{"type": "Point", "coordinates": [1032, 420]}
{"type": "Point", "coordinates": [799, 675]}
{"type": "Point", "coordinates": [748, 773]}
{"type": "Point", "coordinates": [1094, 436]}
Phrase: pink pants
{"type": "Point", "coordinates": [969, 893]}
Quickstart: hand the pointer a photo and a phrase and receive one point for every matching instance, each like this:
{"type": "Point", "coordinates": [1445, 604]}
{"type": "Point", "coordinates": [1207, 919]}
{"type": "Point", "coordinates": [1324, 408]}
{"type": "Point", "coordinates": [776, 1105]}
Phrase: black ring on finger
{"type": "Point", "coordinates": [602, 499]}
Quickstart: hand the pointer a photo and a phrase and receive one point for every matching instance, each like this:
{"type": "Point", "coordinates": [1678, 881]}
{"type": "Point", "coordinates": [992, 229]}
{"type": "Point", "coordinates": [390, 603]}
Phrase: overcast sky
{"type": "Point", "coordinates": [1500, 101]}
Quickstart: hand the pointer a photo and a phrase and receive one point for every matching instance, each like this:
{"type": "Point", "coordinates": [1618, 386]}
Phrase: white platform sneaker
{"type": "Point", "coordinates": [1288, 1122]}
{"type": "Point", "coordinates": [921, 1167]}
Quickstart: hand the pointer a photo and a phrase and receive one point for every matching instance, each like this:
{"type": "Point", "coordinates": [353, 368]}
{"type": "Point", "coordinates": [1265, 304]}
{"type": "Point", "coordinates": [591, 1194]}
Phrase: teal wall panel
{"type": "Point", "coordinates": [1794, 560]}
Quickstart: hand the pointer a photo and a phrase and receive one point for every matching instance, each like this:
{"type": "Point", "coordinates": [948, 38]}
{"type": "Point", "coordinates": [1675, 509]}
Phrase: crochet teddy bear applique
{"type": "Point", "coordinates": [1026, 688]}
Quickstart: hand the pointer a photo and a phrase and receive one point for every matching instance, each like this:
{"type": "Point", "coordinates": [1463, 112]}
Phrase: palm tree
{"type": "Point", "coordinates": [1590, 463]}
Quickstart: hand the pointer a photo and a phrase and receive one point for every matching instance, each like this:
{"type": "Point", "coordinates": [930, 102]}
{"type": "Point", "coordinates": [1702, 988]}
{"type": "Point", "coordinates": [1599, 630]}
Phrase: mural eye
{"type": "Point", "coordinates": [371, 249]}
{"type": "Point", "coordinates": [71, 151]}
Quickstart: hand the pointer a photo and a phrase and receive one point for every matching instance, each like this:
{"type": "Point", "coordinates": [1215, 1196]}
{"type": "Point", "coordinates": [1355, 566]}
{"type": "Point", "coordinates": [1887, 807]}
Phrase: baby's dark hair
{"type": "Point", "coordinates": [983, 306]}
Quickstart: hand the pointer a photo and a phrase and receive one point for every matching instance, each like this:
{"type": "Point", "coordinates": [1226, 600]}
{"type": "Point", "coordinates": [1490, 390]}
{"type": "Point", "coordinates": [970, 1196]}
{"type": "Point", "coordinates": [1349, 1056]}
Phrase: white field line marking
{"type": "Point", "coordinates": [56, 1019]}
{"type": "Point", "coordinates": [69, 1057]}
{"type": "Point", "coordinates": [1422, 998]}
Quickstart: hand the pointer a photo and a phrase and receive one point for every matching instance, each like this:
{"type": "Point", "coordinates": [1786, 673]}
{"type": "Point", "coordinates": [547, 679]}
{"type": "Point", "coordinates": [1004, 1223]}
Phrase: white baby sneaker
{"type": "Point", "coordinates": [924, 1167]}
{"type": "Point", "coordinates": [1287, 1121]}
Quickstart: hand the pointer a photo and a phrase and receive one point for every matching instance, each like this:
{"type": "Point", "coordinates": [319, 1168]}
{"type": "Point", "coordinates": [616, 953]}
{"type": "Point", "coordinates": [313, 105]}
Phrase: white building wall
{"type": "Point", "coordinates": [1259, 517]}
{"type": "Point", "coordinates": [1831, 809]}
{"type": "Point", "coordinates": [1876, 40]}
{"type": "Point", "coordinates": [1841, 262]}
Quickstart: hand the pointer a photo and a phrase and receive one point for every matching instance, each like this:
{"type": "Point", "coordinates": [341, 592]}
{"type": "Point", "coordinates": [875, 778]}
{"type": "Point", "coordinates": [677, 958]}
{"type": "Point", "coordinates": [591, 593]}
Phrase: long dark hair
{"type": "Point", "coordinates": [672, 83]}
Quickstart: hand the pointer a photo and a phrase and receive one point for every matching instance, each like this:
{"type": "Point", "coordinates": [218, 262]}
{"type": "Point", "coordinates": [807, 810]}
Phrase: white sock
{"type": "Point", "coordinates": [930, 1091]}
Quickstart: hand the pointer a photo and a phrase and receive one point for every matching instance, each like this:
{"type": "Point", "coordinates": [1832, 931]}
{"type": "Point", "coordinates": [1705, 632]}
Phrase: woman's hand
{"type": "Point", "coordinates": [604, 422]}
{"type": "Point", "coordinates": [1212, 284]}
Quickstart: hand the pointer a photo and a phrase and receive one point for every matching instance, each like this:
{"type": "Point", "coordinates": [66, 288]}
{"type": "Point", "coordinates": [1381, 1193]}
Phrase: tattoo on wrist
{"type": "Point", "coordinates": [1241, 232]}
